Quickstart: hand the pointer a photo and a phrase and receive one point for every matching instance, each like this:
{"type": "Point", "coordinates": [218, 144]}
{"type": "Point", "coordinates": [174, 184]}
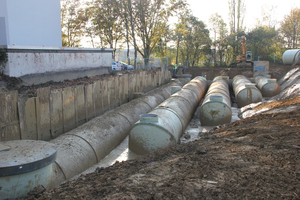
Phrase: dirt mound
{"type": "Point", "coordinates": [9, 83]}
{"type": "Point", "coordinates": [12, 83]}
{"type": "Point", "coordinates": [276, 70]}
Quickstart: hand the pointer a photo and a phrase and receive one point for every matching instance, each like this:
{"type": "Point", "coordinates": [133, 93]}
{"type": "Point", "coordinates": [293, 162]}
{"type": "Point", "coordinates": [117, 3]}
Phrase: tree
{"type": "Point", "coordinates": [195, 39]}
{"type": "Point", "coordinates": [268, 13]}
{"type": "Point", "coordinates": [236, 15]}
{"type": "Point", "coordinates": [220, 34]}
{"type": "Point", "coordinates": [262, 41]}
{"type": "Point", "coordinates": [290, 28]}
{"type": "Point", "coordinates": [179, 32]}
{"type": "Point", "coordinates": [108, 23]}
{"type": "Point", "coordinates": [132, 22]}
{"type": "Point", "coordinates": [151, 22]}
{"type": "Point", "coordinates": [89, 28]}
{"type": "Point", "coordinates": [73, 20]}
{"type": "Point", "coordinates": [124, 8]}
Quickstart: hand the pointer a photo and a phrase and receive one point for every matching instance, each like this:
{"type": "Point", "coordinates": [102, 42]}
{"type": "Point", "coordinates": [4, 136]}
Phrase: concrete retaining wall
{"type": "Point", "coordinates": [54, 112]}
{"type": "Point", "coordinates": [32, 60]}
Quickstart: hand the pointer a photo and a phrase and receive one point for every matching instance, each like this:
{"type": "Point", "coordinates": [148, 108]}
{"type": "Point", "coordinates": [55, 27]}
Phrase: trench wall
{"type": "Point", "coordinates": [56, 111]}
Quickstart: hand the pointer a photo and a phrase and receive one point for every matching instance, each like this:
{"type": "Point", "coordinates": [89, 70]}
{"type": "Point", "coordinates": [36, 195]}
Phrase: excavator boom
{"type": "Point", "coordinates": [245, 59]}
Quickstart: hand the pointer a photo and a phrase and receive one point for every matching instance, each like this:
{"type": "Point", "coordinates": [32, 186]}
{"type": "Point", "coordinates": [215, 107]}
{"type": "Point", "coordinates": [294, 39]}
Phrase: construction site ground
{"type": "Point", "coordinates": [253, 158]}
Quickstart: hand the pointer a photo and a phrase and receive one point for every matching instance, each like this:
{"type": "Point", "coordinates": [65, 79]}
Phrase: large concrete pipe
{"type": "Point", "coordinates": [164, 125]}
{"type": "Point", "coordinates": [86, 145]}
{"type": "Point", "coordinates": [291, 56]}
{"type": "Point", "coordinates": [216, 106]}
{"type": "Point", "coordinates": [268, 87]}
{"type": "Point", "coordinates": [24, 165]}
{"type": "Point", "coordinates": [245, 91]}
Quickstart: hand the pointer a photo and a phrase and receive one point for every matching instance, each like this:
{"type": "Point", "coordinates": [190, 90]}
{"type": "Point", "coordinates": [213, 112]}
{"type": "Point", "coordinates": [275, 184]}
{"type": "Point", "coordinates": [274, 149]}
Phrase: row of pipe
{"type": "Point", "coordinates": [268, 87]}
{"type": "Point", "coordinates": [216, 106]}
{"type": "Point", "coordinates": [86, 145]}
{"type": "Point", "coordinates": [245, 91]}
{"type": "Point", "coordinates": [164, 125]}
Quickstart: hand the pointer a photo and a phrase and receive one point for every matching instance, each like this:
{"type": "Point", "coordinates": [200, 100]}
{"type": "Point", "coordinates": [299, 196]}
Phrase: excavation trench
{"type": "Point", "coordinates": [104, 140]}
{"type": "Point", "coordinates": [187, 124]}
{"type": "Point", "coordinates": [88, 144]}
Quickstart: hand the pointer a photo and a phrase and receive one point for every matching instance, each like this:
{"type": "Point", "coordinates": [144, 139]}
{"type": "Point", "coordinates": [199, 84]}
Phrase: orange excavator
{"type": "Point", "coordinates": [245, 59]}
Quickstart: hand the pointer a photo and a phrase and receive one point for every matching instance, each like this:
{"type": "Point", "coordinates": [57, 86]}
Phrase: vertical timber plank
{"type": "Point", "coordinates": [159, 79]}
{"type": "Point", "coordinates": [105, 99]}
{"type": "Point", "coordinates": [80, 108]}
{"type": "Point", "coordinates": [43, 114]}
{"type": "Point", "coordinates": [117, 92]}
{"type": "Point", "coordinates": [97, 98]}
{"type": "Point", "coordinates": [156, 79]}
{"type": "Point", "coordinates": [137, 82]}
{"type": "Point", "coordinates": [9, 121]}
{"type": "Point", "coordinates": [89, 100]}
{"type": "Point", "coordinates": [168, 77]}
{"type": "Point", "coordinates": [111, 92]}
{"type": "Point", "coordinates": [163, 78]}
{"type": "Point", "coordinates": [131, 83]}
{"type": "Point", "coordinates": [126, 88]}
{"type": "Point", "coordinates": [153, 80]}
{"type": "Point", "coordinates": [56, 113]}
{"type": "Point", "coordinates": [69, 117]}
{"type": "Point", "coordinates": [121, 90]}
{"type": "Point", "coordinates": [144, 79]}
{"type": "Point", "coordinates": [148, 81]}
{"type": "Point", "coordinates": [28, 121]}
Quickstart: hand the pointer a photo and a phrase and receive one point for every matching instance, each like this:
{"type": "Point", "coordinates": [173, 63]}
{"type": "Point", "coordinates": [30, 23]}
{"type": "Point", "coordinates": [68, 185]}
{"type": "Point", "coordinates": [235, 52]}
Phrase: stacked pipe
{"type": "Point", "coordinates": [164, 125]}
{"type": "Point", "coordinates": [268, 87]}
{"type": "Point", "coordinates": [86, 145]}
{"type": "Point", "coordinates": [245, 91]}
{"type": "Point", "coordinates": [216, 106]}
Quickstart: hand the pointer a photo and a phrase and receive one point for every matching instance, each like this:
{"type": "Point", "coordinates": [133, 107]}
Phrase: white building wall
{"type": "Point", "coordinates": [3, 23]}
{"type": "Point", "coordinates": [30, 22]}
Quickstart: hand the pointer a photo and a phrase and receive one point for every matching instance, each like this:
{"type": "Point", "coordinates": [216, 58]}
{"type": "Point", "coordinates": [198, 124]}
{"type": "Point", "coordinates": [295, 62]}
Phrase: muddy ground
{"type": "Point", "coordinates": [12, 83]}
{"type": "Point", "coordinates": [253, 158]}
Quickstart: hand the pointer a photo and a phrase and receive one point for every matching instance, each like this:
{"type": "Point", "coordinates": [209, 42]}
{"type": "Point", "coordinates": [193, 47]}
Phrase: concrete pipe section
{"type": "Point", "coordinates": [175, 89]}
{"type": "Point", "coordinates": [216, 106]}
{"type": "Point", "coordinates": [291, 56]}
{"type": "Point", "coordinates": [268, 87]}
{"type": "Point", "coordinates": [164, 125]}
{"type": "Point", "coordinates": [24, 165]}
{"type": "Point", "coordinates": [86, 145]}
{"type": "Point", "coordinates": [245, 91]}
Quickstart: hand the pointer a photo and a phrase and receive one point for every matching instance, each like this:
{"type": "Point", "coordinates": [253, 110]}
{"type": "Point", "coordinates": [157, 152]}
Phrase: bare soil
{"type": "Point", "coordinates": [276, 70]}
{"type": "Point", "coordinates": [12, 83]}
{"type": "Point", "coordinates": [253, 158]}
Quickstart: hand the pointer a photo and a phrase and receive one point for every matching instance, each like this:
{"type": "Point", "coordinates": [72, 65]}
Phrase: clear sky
{"type": "Point", "coordinates": [204, 9]}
